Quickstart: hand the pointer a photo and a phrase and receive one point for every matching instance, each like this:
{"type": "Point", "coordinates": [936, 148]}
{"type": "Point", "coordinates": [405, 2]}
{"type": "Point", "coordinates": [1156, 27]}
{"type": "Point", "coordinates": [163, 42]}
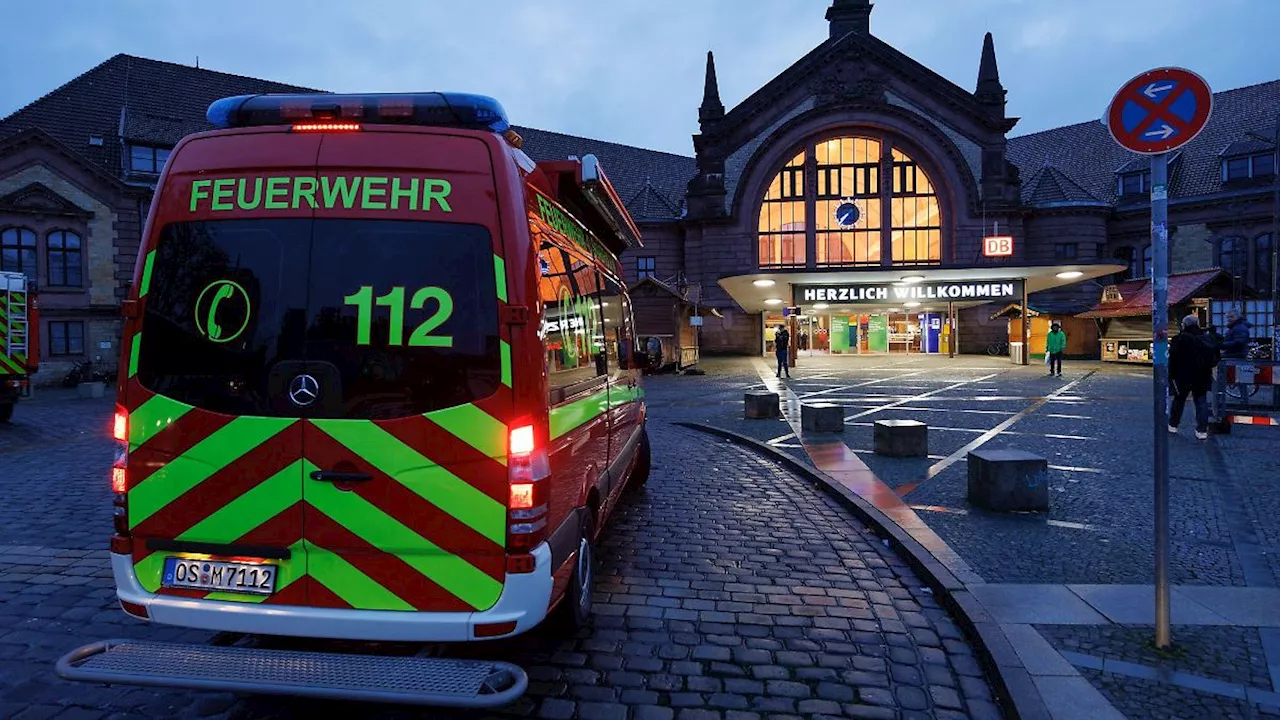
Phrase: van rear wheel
{"type": "Point", "coordinates": [575, 609]}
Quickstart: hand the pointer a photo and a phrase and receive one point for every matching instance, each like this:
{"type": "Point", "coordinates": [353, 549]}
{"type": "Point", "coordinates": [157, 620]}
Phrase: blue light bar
{"type": "Point", "coordinates": [435, 109]}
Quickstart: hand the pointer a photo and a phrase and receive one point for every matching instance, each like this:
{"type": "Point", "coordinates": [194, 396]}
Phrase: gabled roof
{"type": "Point", "coordinates": [1135, 295]}
{"type": "Point", "coordinates": [885, 55]}
{"type": "Point", "coordinates": [129, 99]}
{"type": "Point", "coordinates": [1051, 185]}
{"type": "Point", "coordinates": [1087, 154]}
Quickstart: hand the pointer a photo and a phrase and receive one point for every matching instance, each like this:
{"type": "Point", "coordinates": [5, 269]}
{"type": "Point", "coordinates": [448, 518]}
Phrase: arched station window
{"type": "Point", "coordinates": [866, 196]}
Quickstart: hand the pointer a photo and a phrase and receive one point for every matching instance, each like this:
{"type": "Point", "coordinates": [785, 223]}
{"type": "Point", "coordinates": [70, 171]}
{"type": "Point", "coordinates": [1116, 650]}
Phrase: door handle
{"type": "Point", "coordinates": [330, 476]}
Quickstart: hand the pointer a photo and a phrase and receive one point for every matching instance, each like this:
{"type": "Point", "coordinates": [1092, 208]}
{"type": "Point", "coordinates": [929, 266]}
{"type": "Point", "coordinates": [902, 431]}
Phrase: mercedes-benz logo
{"type": "Point", "coordinates": [303, 390]}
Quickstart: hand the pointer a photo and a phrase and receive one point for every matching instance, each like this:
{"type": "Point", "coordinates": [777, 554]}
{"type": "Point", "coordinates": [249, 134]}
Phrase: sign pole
{"type": "Point", "coordinates": [1275, 263]}
{"type": "Point", "coordinates": [1160, 335]}
{"type": "Point", "coordinates": [1153, 114]}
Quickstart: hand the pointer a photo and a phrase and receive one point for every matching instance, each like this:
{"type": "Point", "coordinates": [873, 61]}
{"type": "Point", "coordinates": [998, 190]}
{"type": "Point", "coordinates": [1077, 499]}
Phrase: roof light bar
{"type": "Point", "coordinates": [436, 109]}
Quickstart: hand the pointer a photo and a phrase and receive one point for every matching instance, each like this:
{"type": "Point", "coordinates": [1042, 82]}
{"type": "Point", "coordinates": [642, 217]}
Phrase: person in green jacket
{"type": "Point", "coordinates": [1054, 345]}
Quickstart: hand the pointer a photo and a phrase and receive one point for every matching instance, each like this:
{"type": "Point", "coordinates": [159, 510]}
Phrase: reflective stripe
{"type": "Point", "coordinates": [578, 413]}
{"type": "Point", "coordinates": [208, 456]}
{"type": "Point", "coordinates": [347, 582]}
{"type": "Point", "coordinates": [476, 428]}
{"type": "Point", "coordinates": [255, 507]}
{"type": "Point", "coordinates": [153, 416]}
{"type": "Point", "coordinates": [145, 285]}
{"type": "Point", "coordinates": [419, 474]}
{"type": "Point", "coordinates": [504, 350]}
{"type": "Point", "coordinates": [384, 532]}
{"type": "Point", "coordinates": [134, 348]}
{"type": "Point", "coordinates": [500, 276]}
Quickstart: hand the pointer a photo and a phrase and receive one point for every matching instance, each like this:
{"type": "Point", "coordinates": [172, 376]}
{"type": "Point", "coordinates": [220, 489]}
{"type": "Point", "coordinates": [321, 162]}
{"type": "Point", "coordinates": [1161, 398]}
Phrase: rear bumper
{"type": "Point", "coordinates": [524, 600]}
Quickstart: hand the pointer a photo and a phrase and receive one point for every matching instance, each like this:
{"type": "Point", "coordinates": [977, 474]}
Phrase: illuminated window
{"type": "Point", "coordinates": [865, 197]}
{"type": "Point", "coordinates": [782, 221]}
{"type": "Point", "coordinates": [849, 207]}
{"type": "Point", "coordinates": [917, 224]}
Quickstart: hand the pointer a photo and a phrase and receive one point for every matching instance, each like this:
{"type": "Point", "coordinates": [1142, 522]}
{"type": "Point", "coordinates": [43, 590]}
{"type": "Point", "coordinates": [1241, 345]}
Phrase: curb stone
{"type": "Point", "coordinates": [1011, 683]}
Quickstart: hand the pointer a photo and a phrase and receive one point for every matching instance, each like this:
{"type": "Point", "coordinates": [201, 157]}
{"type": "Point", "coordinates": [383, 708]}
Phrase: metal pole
{"type": "Point", "coordinates": [1160, 363]}
{"type": "Point", "coordinates": [1275, 261]}
{"type": "Point", "coordinates": [1026, 327]}
{"type": "Point", "coordinates": [951, 329]}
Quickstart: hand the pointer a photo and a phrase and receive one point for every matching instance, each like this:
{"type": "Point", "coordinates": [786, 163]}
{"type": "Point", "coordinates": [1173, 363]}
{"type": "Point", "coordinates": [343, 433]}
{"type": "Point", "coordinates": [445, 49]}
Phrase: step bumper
{"type": "Point", "coordinates": [437, 682]}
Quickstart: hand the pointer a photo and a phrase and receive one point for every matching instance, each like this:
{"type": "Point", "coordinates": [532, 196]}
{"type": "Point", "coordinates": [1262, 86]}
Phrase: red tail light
{"type": "Point", "coordinates": [528, 472]}
{"type": "Point", "coordinates": [121, 541]}
{"type": "Point", "coordinates": [120, 426]}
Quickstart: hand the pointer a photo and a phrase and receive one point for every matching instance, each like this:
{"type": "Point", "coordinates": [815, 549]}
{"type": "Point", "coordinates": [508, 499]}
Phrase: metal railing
{"type": "Point", "coordinates": [1246, 392]}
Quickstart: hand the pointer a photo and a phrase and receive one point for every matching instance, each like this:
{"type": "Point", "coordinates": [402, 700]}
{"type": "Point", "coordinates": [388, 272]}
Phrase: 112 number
{"type": "Point", "coordinates": [364, 301]}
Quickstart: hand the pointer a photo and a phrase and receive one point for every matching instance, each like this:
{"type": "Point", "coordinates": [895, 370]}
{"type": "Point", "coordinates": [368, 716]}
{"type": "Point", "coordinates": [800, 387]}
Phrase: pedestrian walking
{"type": "Point", "coordinates": [1192, 357]}
{"type": "Point", "coordinates": [1054, 346]}
{"type": "Point", "coordinates": [782, 346]}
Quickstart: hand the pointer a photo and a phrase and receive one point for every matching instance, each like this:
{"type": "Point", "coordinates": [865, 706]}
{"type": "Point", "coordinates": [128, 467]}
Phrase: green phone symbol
{"type": "Point", "coordinates": [207, 305]}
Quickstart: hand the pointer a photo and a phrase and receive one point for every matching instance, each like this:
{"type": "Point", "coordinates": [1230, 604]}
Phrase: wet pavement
{"type": "Point", "coordinates": [729, 588]}
{"type": "Point", "coordinates": [1094, 427]}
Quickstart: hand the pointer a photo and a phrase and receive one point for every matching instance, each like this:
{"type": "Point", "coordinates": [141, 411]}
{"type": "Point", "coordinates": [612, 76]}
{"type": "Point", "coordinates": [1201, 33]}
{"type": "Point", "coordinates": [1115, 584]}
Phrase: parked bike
{"type": "Point", "coordinates": [998, 348]}
{"type": "Point", "coordinates": [85, 371]}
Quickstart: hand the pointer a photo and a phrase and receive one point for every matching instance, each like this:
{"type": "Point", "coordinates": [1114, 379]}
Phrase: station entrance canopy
{"type": "Point", "coordinates": [888, 288]}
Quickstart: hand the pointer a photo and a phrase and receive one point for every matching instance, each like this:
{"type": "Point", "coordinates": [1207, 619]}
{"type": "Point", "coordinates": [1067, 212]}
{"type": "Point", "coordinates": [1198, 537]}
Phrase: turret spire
{"type": "Point", "coordinates": [712, 109]}
{"type": "Point", "coordinates": [990, 92]}
{"type": "Point", "coordinates": [846, 16]}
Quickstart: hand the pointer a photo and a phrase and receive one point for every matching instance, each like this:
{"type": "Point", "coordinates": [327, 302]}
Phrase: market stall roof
{"type": "Point", "coordinates": [1133, 298]}
{"type": "Point", "coordinates": [1014, 310]}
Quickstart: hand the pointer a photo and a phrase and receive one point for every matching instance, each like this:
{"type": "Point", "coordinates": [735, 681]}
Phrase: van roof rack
{"type": "Point", "coordinates": [580, 184]}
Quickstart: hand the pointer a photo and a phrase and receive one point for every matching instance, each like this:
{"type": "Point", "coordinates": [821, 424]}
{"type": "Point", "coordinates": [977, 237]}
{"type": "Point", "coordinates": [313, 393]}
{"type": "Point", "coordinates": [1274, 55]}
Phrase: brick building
{"type": "Point", "coordinates": [854, 168]}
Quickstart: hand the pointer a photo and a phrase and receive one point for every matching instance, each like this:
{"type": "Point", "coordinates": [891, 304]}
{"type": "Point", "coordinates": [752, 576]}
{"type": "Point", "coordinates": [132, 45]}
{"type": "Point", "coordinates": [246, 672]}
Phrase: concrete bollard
{"type": "Point", "coordinates": [758, 404]}
{"type": "Point", "coordinates": [901, 438]}
{"type": "Point", "coordinates": [822, 417]}
{"type": "Point", "coordinates": [1008, 480]}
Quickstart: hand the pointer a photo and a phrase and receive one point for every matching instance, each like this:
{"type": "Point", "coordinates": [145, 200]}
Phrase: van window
{"type": "Point", "coordinates": [571, 325]}
{"type": "Point", "coordinates": [391, 318]}
{"type": "Point", "coordinates": [619, 331]}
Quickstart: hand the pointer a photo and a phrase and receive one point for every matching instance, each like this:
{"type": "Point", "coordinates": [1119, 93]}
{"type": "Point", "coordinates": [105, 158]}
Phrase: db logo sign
{"type": "Point", "coordinates": [997, 246]}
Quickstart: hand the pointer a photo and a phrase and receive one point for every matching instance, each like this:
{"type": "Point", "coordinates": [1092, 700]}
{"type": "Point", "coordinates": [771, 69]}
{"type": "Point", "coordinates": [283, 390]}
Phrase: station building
{"type": "Point", "coordinates": [885, 207]}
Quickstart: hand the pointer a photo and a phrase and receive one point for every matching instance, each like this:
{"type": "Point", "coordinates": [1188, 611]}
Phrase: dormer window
{"type": "Point", "coordinates": [1247, 167]}
{"type": "Point", "coordinates": [1135, 183]}
{"type": "Point", "coordinates": [147, 159]}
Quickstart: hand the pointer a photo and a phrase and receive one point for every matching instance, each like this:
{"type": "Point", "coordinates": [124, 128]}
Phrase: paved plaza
{"type": "Point", "coordinates": [734, 585]}
{"type": "Point", "coordinates": [729, 589]}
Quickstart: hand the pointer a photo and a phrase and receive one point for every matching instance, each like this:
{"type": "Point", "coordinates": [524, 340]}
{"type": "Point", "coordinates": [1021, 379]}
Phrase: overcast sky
{"type": "Point", "coordinates": [631, 70]}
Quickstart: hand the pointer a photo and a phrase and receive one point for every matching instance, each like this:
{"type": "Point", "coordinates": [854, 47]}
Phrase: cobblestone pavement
{"type": "Point", "coordinates": [1095, 432]}
{"type": "Point", "coordinates": [728, 589]}
{"type": "Point", "coordinates": [1140, 699]}
{"type": "Point", "coordinates": [1094, 426]}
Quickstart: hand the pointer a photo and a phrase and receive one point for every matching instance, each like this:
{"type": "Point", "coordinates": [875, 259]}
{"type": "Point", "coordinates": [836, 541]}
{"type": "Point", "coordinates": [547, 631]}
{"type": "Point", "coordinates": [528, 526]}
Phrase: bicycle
{"type": "Point", "coordinates": [996, 349]}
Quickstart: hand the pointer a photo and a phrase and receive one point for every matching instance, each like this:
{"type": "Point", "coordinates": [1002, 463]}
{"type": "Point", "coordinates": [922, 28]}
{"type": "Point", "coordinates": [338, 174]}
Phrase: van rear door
{"type": "Point", "coordinates": [215, 466]}
{"type": "Point", "coordinates": [405, 480]}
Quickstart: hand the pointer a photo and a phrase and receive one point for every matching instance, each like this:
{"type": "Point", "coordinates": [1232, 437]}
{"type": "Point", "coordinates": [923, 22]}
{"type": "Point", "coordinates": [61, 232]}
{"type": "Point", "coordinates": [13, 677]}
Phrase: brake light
{"type": "Point", "coordinates": [120, 427]}
{"type": "Point", "coordinates": [326, 127]}
{"type": "Point", "coordinates": [522, 440]}
{"type": "Point", "coordinates": [528, 474]}
{"type": "Point", "coordinates": [121, 540]}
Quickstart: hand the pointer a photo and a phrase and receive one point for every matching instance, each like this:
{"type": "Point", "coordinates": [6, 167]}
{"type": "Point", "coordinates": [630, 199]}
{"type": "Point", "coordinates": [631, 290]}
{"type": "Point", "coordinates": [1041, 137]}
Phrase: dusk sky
{"type": "Point", "coordinates": [630, 71]}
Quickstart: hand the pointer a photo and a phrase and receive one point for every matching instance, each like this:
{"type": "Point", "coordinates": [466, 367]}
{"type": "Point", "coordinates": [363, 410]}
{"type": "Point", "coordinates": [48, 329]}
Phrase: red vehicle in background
{"type": "Point", "coordinates": [379, 383]}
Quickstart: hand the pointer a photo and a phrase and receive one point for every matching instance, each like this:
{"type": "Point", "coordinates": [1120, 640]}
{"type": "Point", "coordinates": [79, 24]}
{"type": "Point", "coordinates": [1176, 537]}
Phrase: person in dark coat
{"type": "Point", "coordinates": [782, 346]}
{"type": "Point", "coordinates": [1191, 361]}
{"type": "Point", "coordinates": [1235, 344]}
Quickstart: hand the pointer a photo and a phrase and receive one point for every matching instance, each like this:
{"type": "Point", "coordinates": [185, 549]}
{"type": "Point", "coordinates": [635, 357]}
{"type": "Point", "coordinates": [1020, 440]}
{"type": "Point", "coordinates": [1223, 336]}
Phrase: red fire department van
{"type": "Point", "coordinates": [379, 382]}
